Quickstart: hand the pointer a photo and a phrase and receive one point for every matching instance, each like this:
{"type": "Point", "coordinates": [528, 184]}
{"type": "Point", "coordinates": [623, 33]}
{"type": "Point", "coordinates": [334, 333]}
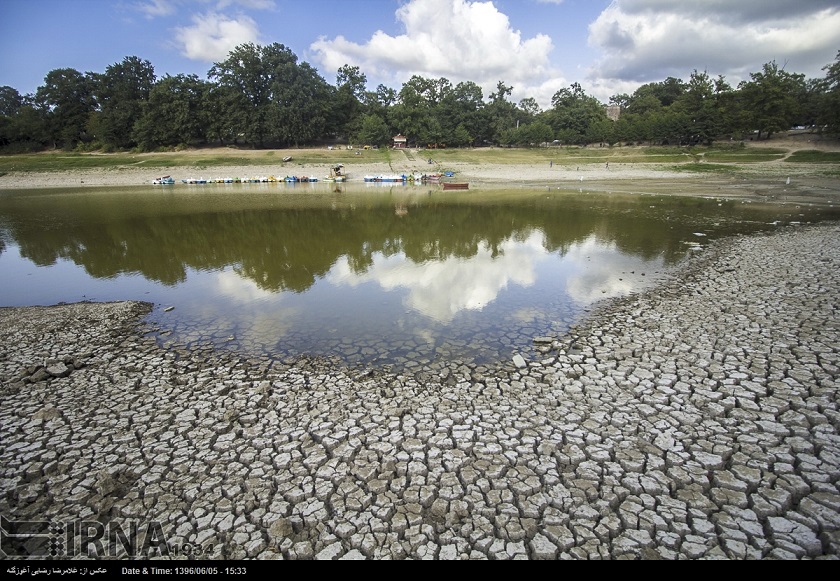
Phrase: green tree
{"type": "Point", "coordinates": [220, 101]}
{"type": "Point", "coordinates": [573, 112]}
{"type": "Point", "coordinates": [122, 92]}
{"type": "Point", "coordinates": [530, 107]}
{"type": "Point", "coordinates": [378, 102]}
{"type": "Point", "coordinates": [10, 104]}
{"type": "Point", "coordinates": [621, 100]}
{"type": "Point", "coordinates": [698, 104]}
{"type": "Point", "coordinates": [502, 115]}
{"type": "Point", "coordinates": [828, 98]}
{"type": "Point", "coordinates": [25, 129]}
{"type": "Point", "coordinates": [773, 98]}
{"type": "Point", "coordinates": [643, 104]}
{"type": "Point", "coordinates": [348, 100]}
{"type": "Point", "coordinates": [410, 114]}
{"type": "Point", "coordinates": [385, 96]}
{"type": "Point", "coordinates": [300, 100]}
{"type": "Point", "coordinates": [535, 133]}
{"type": "Point", "coordinates": [247, 76]}
{"type": "Point", "coordinates": [10, 101]}
{"type": "Point", "coordinates": [68, 98]}
{"type": "Point", "coordinates": [373, 131]}
{"type": "Point", "coordinates": [461, 137]}
{"type": "Point", "coordinates": [665, 93]}
{"type": "Point", "coordinates": [602, 131]}
{"type": "Point", "coordinates": [464, 111]}
{"type": "Point", "coordinates": [265, 95]}
{"type": "Point", "coordinates": [176, 113]}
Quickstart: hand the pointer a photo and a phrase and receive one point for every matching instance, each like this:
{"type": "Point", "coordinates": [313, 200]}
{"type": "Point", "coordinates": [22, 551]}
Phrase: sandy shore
{"type": "Point", "coordinates": [489, 173]}
{"type": "Point", "coordinates": [765, 181]}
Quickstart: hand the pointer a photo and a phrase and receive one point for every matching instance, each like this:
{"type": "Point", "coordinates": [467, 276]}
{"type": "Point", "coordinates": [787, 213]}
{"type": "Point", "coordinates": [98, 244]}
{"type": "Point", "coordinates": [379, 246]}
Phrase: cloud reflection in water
{"type": "Point", "coordinates": [601, 271]}
{"type": "Point", "coordinates": [442, 289]}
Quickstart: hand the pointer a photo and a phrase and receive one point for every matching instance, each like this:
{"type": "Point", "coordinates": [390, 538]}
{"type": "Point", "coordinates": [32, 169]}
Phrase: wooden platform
{"type": "Point", "coordinates": [452, 186]}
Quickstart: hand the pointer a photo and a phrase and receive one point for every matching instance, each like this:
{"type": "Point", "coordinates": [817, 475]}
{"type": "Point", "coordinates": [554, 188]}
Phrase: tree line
{"type": "Point", "coordinates": [263, 96]}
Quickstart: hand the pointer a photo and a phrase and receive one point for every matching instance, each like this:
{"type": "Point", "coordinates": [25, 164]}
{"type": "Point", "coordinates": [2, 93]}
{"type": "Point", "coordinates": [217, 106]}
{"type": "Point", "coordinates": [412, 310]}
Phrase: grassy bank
{"type": "Point", "coordinates": [813, 156]}
{"type": "Point", "coordinates": [720, 157]}
{"type": "Point", "coordinates": [63, 161]}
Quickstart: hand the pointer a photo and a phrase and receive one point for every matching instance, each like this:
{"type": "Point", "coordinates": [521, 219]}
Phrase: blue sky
{"type": "Point", "coordinates": [537, 46]}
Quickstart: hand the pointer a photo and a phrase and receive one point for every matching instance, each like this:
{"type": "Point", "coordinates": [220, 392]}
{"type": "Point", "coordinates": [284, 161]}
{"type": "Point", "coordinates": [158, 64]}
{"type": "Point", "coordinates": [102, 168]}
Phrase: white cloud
{"type": "Point", "coordinates": [155, 8]}
{"type": "Point", "coordinates": [649, 40]}
{"type": "Point", "coordinates": [732, 11]}
{"type": "Point", "coordinates": [442, 289]}
{"type": "Point", "coordinates": [254, 4]}
{"type": "Point", "coordinates": [457, 39]}
{"type": "Point", "coordinates": [212, 36]}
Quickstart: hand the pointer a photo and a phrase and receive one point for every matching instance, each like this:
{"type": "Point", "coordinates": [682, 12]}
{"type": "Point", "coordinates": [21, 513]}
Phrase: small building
{"type": "Point", "coordinates": [613, 112]}
{"type": "Point", "coordinates": [400, 141]}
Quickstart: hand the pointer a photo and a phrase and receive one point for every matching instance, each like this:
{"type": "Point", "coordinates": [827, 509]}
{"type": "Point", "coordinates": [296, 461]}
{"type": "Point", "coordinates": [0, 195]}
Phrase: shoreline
{"type": "Point", "coordinates": [695, 420]}
{"type": "Point", "coordinates": [760, 182]}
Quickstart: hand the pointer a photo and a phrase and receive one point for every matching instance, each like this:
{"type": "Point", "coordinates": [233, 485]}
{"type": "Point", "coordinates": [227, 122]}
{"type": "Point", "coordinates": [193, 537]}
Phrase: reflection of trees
{"type": "Point", "coordinates": [288, 248]}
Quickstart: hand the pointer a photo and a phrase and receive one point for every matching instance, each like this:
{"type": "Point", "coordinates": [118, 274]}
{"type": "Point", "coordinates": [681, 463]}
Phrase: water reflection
{"type": "Point", "coordinates": [603, 272]}
{"type": "Point", "coordinates": [371, 274]}
{"type": "Point", "coordinates": [441, 288]}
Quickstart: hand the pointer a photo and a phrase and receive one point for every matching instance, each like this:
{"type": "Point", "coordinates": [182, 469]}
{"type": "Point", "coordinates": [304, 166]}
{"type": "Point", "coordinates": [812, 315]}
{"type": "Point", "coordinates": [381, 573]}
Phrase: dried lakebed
{"type": "Point", "coordinates": [697, 420]}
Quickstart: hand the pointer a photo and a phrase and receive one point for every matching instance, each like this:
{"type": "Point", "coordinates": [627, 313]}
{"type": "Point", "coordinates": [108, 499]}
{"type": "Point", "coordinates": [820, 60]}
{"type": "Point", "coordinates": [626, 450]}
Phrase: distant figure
{"type": "Point", "coordinates": [430, 161]}
{"type": "Point", "coordinates": [608, 165]}
{"type": "Point", "coordinates": [788, 181]}
{"type": "Point", "coordinates": [551, 164]}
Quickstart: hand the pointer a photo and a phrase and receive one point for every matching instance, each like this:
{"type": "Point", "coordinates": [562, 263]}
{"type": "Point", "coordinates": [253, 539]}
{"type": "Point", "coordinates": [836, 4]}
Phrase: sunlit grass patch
{"type": "Point", "coordinates": [706, 168]}
{"type": "Point", "coordinates": [814, 156]}
{"type": "Point", "coordinates": [744, 155]}
{"type": "Point", "coordinates": [721, 157]}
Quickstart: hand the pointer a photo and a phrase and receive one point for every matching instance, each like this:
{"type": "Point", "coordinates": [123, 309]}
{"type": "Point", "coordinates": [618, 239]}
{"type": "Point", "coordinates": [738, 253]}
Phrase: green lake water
{"type": "Point", "coordinates": [370, 274]}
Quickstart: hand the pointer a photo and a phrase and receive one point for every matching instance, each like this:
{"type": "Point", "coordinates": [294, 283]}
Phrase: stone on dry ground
{"type": "Point", "coordinates": [697, 421]}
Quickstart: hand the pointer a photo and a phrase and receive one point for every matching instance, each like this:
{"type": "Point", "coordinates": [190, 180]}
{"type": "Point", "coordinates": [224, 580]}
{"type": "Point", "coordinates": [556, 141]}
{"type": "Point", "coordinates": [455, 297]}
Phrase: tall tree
{"type": "Point", "coordinates": [268, 96]}
{"type": "Point", "coordinates": [247, 76]}
{"type": "Point", "coordinates": [349, 98]}
{"type": "Point", "coordinates": [300, 103]}
{"type": "Point", "coordinates": [530, 107]}
{"type": "Point", "coordinates": [10, 101]}
{"type": "Point", "coordinates": [10, 104]}
{"type": "Point", "coordinates": [373, 130]}
{"type": "Point", "coordinates": [385, 96]}
{"type": "Point", "coordinates": [773, 98]}
{"type": "Point", "coordinates": [469, 114]}
{"type": "Point", "coordinates": [176, 113]}
{"type": "Point", "coordinates": [121, 92]}
{"type": "Point", "coordinates": [829, 98]}
{"type": "Point", "coordinates": [698, 104]}
{"type": "Point", "coordinates": [502, 115]}
{"type": "Point", "coordinates": [573, 112]}
{"type": "Point", "coordinates": [68, 98]}
{"type": "Point", "coordinates": [411, 112]}
{"type": "Point", "coordinates": [23, 124]}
